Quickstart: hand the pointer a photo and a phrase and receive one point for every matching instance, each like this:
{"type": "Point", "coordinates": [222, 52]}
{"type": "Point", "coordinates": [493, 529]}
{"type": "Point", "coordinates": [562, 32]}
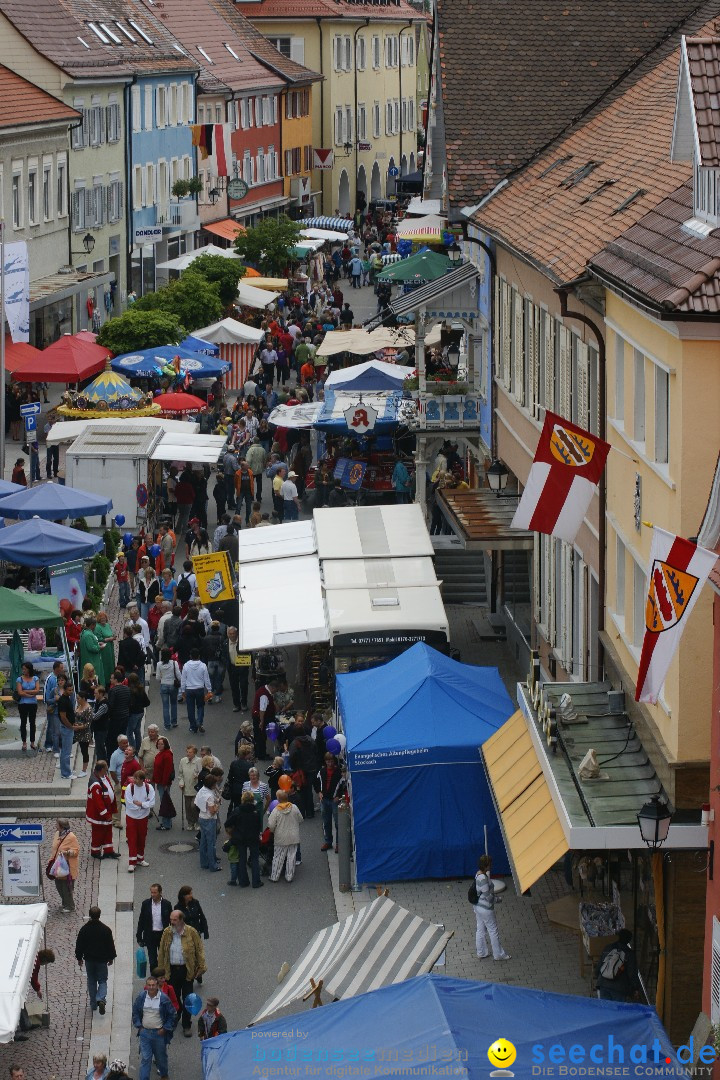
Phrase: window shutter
{"type": "Point", "coordinates": [109, 123]}
{"type": "Point", "coordinates": [583, 385]}
{"type": "Point", "coordinates": [75, 208]}
{"type": "Point", "coordinates": [532, 349]}
{"type": "Point", "coordinates": [565, 372]}
{"type": "Point", "coordinates": [86, 127]}
{"type": "Point", "coordinates": [549, 373]}
{"type": "Point", "coordinates": [715, 973]}
{"type": "Point", "coordinates": [549, 575]}
{"type": "Point", "coordinates": [519, 351]}
{"type": "Point", "coordinates": [507, 312]}
{"type": "Point", "coordinates": [99, 200]}
{"type": "Point", "coordinates": [537, 595]}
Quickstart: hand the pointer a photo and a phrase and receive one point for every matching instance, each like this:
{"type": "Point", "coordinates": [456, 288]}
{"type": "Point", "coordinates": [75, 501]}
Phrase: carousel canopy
{"type": "Point", "coordinates": [106, 395]}
{"type": "Point", "coordinates": [157, 362]}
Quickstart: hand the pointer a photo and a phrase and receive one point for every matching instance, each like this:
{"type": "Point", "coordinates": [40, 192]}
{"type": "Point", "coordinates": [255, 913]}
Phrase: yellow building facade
{"type": "Point", "coordinates": [296, 125]}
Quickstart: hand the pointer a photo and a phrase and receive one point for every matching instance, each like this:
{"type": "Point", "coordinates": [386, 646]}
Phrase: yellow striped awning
{"type": "Point", "coordinates": [533, 833]}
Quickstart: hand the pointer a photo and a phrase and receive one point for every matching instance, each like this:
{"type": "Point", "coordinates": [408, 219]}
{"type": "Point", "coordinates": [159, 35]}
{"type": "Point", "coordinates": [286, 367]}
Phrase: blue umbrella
{"type": "Point", "coordinates": [54, 502]}
{"type": "Point", "coordinates": [43, 543]}
{"type": "Point", "coordinates": [196, 344]}
{"type": "Point", "coordinates": [149, 362]}
{"type": "Point", "coordinates": [6, 488]}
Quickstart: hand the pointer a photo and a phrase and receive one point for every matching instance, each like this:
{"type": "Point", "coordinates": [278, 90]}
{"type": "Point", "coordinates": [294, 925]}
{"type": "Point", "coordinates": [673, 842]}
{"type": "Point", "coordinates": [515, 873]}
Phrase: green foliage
{"type": "Point", "coordinates": [180, 189]}
{"type": "Point", "coordinates": [141, 329]}
{"type": "Point", "coordinates": [267, 246]}
{"type": "Point", "coordinates": [111, 540]}
{"type": "Point", "coordinates": [195, 185]}
{"type": "Point", "coordinates": [219, 271]}
{"type": "Point", "coordinates": [191, 299]}
{"type": "Point", "coordinates": [81, 525]}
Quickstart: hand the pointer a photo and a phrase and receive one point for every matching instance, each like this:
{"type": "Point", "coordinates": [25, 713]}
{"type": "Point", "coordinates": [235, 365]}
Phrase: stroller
{"type": "Point", "coordinates": [267, 847]}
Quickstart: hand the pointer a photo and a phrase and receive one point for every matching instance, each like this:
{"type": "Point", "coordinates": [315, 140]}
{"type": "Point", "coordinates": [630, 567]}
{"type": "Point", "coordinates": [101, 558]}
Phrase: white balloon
{"type": "Point", "coordinates": [341, 739]}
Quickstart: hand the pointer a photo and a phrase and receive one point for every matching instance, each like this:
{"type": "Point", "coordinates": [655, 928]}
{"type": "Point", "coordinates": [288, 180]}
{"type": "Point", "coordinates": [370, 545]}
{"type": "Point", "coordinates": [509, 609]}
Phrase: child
{"type": "Point", "coordinates": [211, 1021]}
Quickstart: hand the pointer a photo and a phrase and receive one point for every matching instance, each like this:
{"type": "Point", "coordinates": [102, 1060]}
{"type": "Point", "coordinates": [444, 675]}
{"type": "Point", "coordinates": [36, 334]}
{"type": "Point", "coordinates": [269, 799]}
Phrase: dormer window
{"type": "Point", "coordinates": [706, 194]}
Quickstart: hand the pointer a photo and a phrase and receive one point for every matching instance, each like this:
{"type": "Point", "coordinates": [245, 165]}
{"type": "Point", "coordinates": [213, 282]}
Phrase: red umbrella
{"type": "Point", "coordinates": [173, 404]}
{"type": "Point", "coordinates": [19, 353]}
{"type": "Point", "coordinates": [67, 360]}
{"type": "Point", "coordinates": [86, 335]}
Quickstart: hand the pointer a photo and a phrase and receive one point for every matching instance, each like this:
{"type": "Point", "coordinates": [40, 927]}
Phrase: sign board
{"type": "Point", "coordinates": [237, 188]}
{"type": "Point", "coordinates": [350, 473]}
{"type": "Point", "coordinates": [21, 870]}
{"type": "Point", "coordinates": [387, 639]}
{"type": "Point", "coordinates": [360, 418]}
{"type": "Point", "coordinates": [67, 582]}
{"type": "Point", "coordinates": [214, 577]}
{"type": "Point", "coordinates": [30, 425]}
{"type": "Point", "coordinates": [393, 171]}
{"type": "Point", "coordinates": [323, 159]}
{"type": "Point", "coordinates": [364, 146]}
{"type": "Point", "coordinates": [147, 234]}
{"type": "Point", "coordinates": [21, 833]}
{"type": "Point", "coordinates": [30, 408]}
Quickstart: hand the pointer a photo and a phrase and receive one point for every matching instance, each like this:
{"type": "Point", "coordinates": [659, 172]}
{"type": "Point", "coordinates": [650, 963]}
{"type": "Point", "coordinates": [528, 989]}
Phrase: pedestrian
{"type": "Point", "coordinates": [154, 917]}
{"type": "Point", "coordinates": [182, 957]}
{"type": "Point", "coordinates": [212, 653]}
{"type": "Point", "coordinates": [244, 490]}
{"type": "Point", "coordinates": [486, 922]}
{"type": "Point", "coordinates": [129, 767]}
{"type": "Point", "coordinates": [303, 759]}
{"type": "Point", "coordinates": [196, 689]}
{"type": "Point", "coordinates": [94, 947]}
{"type": "Point", "coordinates": [50, 699]}
{"type": "Point", "coordinates": [347, 317]}
{"type": "Point", "coordinates": [239, 773]}
{"type": "Point", "coordinates": [237, 665]}
{"type": "Point", "coordinates": [616, 972]}
{"type": "Point", "coordinates": [117, 1069]}
{"type": "Point", "coordinates": [99, 1068]}
{"type": "Point", "coordinates": [106, 636]}
{"type": "Point", "coordinates": [18, 474]}
{"type": "Point", "coordinates": [163, 776]}
{"type": "Point", "coordinates": [284, 824]}
{"type": "Point", "coordinates": [167, 674]}
{"type": "Point", "coordinates": [89, 646]}
{"type": "Point", "coordinates": [263, 713]}
{"type": "Point", "coordinates": [401, 482]}
{"type": "Point", "coordinates": [211, 1021]}
{"type": "Point", "coordinates": [116, 763]}
{"type": "Point", "coordinates": [256, 459]}
{"type": "Point", "coordinates": [149, 748]}
{"type": "Point", "coordinates": [139, 802]}
{"type": "Point", "coordinates": [83, 730]}
{"type": "Point", "coordinates": [244, 826]}
{"type": "Point", "coordinates": [188, 776]}
{"type": "Point", "coordinates": [208, 805]}
{"type": "Point", "coordinates": [101, 721]}
{"type": "Point", "coordinates": [326, 785]}
{"type": "Point", "coordinates": [259, 790]}
{"type": "Point", "coordinates": [118, 707]}
{"type": "Point", "coordinates": [99, 811]}
{"type": "Point", "coordinates": [290, 499]}
{"type": "Point", "coordinates": [122, 576]}
{"type": "Point", "coordinates": [65, 843]}
{"type": "Point", "coordinates": [27, 686]}
{"type": "Point", "coordinates": [166, 988]}
{"type": "Point", "coordinates": [192, 913]}
{"type": "Point", "coordinates": [153, 1017]}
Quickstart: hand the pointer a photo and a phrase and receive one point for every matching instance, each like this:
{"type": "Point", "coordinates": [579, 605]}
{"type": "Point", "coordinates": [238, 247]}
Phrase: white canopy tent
{"type": "Point", "coordinates": [21, 936]}
{"type": "Point", "coordinates": [371, 532]}
{"type": "Point", "coordinates": [199, 449]}
{"type": "Point", "coordinates": [430, 225]}
{"type": "Point", "coordinates": [324, 234]}
{"type": "Point", "coordinates": [249, 296]}
{"type": "Point", "coordinates": [422, 207]}
{"type": "Point", "coordinates": [183, 261]}
{"type": "Point", "coordinates": [337, 379]}
{"type": "Point", "coordinates": [362, 342]}
{"type": "Point", "coordinates": [66, 431]}
{"type": "Point", "coordinates": [296, 416]}
{"type": "Point", "coordinates": [414, 571]}
{"type": "Point", "coordinates": [288, 541]}
{"type": "Point", "coordinates": [230, 332]}
{"type": "Point", "coordinates": [281, 605]}
{"type": "Point", "coordinates": [352, 611]}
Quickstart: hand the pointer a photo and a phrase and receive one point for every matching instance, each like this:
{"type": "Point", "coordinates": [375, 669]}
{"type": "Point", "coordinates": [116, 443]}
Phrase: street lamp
{"type": "Point", "coordinates": [497, 476]}
{"type": "Point", "coordinates": [88, 242]}
{"type": "Point", "coordinates": [454, 355]}
{"type": "Point", "coordinates": [214, 195]}
{"type": "Point", "coordinates": [454, 252]}
{"type": "Point", "coordinates": [654, 821]}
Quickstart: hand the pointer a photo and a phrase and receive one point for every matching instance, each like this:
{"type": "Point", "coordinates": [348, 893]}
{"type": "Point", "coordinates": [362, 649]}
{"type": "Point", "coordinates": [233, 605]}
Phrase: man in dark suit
{"type": "Point", "coordinates": [154, 917]}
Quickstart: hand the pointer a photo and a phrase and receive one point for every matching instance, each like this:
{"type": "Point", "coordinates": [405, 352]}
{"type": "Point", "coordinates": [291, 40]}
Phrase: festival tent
{"type": "Point", "coordinates": [54, 502]}
{"type": "Point", "coordinates": [183, 261]}
{"type": "Point", "coordinates": [332, 416]}
{"type": "Point", "coordinates": [181, 403]}
{"type": "Point", "coordinates": [372, 375]}
{"type": "Point", "coordinates": [421, 268]}
{"type": "Point", "coordinates": [148, 362]}
{"type": "Point", "coordinates": [363, 342]}
{"type": "Point", "coordinates": [8, 488]}
{"type": "Point", "coordinates": [431, 227]}
{"type": "Point", "coordinates": [270, 284]}
{"type": "Point", "coordinates": [237, 345]}
{"type": "Point", "coordinates": [68, 360]}
{"type": "Point", "coordinates": [324, 234]}
{"type": "Point", "coordinates": [436, 1025]}
{"type": "Point", "coordinates": [20, 611]}
{"type": "Point", "coordinates": [332, 224]}
{"type": "Point", "coordinates": [21, 936]}
{"type": "Point", "coordinates": [43, 543]}
{"type": "Point", "coordinates": [249, 296]}
{"type": "Point", "coordinates": [196, 344]}
{"type": "Point", "coordinates": [414, 729]}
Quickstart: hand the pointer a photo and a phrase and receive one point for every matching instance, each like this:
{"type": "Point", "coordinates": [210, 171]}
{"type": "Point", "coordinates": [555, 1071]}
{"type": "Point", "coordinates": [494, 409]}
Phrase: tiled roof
{"type": "Point", "coordinates": [703, 57]}
{"type": "Point", "coordinates": [57, 29]}
{"type": "Point", "coordinates": [24, 103]}
{"type": "Point", "coordinates": [663, 263]}
{"type": "Point", "coordinates": [330, 9]}
{"type": "Point", "coordinates": [259, 46]}
{"type": "Point", "coordinates": [591, 185]}
{"type": "Point", "coordinates": [515, 75]}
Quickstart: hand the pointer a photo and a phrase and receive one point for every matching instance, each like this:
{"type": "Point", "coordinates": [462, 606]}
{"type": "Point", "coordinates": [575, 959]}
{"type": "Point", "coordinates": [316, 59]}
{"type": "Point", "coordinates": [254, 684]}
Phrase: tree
{"type": "Point", "coordinates": [268, 245]}
{"type": "Point", "coordinates": [192, 299]}
{"type": "Point", "coordinates": [135, 330]}
{"type": "Point", "coordinates": [220, 271]}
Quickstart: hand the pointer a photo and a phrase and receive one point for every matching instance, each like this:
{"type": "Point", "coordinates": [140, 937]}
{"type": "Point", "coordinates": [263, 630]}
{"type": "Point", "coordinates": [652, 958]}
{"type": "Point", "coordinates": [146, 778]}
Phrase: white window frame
{"type": "Point", "coordinates": [136, 109]}
{"type": "Point", "coordinates": [148, 118]}
{"type": "Point", "coordinates": [619, 407]}
{"type": "Point", "coordinates": [46, 189]}
{"type": "Point", "coordinates": [376, 120]}
{"type": "Point", "coordinates": [161, 106]}
{"type": "Point", "coordinates": [338, 125]}
{"type": "Point", "coordinates": [360, 53]}
{"type": "Point", "coordinates": [61, 202]}
{"type": "Point", "coordinates": [639, 600]}
{"type": "Point", "coordinates": [376, 52]}
{"type": "Point", "coordinates": [18, 177]}
{"type": "Point", "coordinates": [137, 187]}
{"type": "Point", "coordinates": [639, 411]}
{"type": "Point", "coordinates": [361, 122]}
{"type": "Point", "coordinates": [620, 593]}
{"type": "Point", "coordinates": [33, 205]}
{"type": "Point", "coordinates": [661, 443]}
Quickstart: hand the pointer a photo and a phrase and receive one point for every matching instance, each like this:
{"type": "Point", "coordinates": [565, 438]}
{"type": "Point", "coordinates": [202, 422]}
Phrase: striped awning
{"type": "Point", "coordinates": [336, 224]}
{"type": "Point", "coordinates": [381, 944]}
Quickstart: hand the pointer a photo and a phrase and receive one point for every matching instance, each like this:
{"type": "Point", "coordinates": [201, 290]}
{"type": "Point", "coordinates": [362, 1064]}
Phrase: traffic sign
{"type": "Point", "coordinates": [394, 171]}
{"type": "Point", "coordinates": [21, 833]}
{"type": "Point", "coordinates": [30, 408]}
{"type": "Point", "coordinates": [30, 425]}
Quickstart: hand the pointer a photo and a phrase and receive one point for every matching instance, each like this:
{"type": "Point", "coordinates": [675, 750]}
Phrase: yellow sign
{"type": "Point", "coordinates": [214, 577]}
{"type": "Point", "coordinates": [243, 659]}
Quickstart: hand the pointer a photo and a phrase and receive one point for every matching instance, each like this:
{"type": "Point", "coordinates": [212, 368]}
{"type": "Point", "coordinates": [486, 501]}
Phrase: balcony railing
{"type": "Point", "coordinates": [438, 412]}
{"type": "Point", "coordinates": [178, 214]}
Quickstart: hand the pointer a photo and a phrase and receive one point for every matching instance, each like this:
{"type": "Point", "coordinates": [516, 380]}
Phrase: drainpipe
{"type": "Point", "coordinates": [355, 121]}
{"type": "Point", "coordinates": [318, 20]}
{"type": "Point", "coordinates": [563, 292]}
{"type": "Point", "coordinates": [129, 197]}
{"type": "Point", "coordinates": [408, 27]}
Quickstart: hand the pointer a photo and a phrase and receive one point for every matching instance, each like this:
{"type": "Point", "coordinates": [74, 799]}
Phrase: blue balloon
{"type": "Point", "coordinates": [119, 520]}
{"type": "Point", "coordinates": [193, 1004]}
{"type": "Point", "coordinates": [329, 731]}
{"type": "Point", "coordinates": [155, 550]}
{"type": "Point", "coordinates": [333, 746]}
{"type": "Point", "coordinates": [127, 539]}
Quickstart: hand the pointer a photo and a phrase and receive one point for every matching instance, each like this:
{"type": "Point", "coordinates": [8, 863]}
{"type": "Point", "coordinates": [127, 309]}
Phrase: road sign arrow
{"type": "Point", "coordinates": [22, 832]}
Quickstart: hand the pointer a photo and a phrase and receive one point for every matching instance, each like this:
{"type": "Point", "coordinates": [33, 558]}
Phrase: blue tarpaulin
{"type": "Point", "coordinates": [421, 802]}
{"type": "Point", "coordinates": [436, 1026]}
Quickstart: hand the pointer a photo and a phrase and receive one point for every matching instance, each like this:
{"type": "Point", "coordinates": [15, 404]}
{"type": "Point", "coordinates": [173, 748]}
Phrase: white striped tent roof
{"type": "Point", "coordinates": [337, 224]}
{"type": "Point", "coordinates": [381, 944]}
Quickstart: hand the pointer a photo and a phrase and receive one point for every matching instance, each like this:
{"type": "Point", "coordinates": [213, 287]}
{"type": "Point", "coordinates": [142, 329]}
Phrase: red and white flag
{"type": "Point", "coordinates": [568, 464]}
{"type": "Point", "coordinates": [223, 150]}
{"type": "Point", "coordinates": [678, 571]}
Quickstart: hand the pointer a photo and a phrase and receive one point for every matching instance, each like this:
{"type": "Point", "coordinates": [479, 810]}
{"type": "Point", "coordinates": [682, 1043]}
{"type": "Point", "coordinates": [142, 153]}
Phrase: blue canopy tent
{"type": "Point", "coordinates": [43, 543]}
{"type": "Point", "coordinates": [196, 344]}
{"type": "Point", "coordinates": [370, 375]}
{"type": "Point", "coordinates": [54, 502]}
{"type": "Point", "coordinates": [8, 488]}
{"type": "Point", "coordinates": [435, 1025]}
{"type": "Point", "coordinates": [421, 801]}
{"type": "Point", "coordinates": [149, 362]}
{"type": "Point", "coordinates": [332, 416]}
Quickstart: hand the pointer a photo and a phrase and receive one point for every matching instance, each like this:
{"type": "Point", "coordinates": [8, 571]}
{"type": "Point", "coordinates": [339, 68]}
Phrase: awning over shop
{"type": "Point", "coordinates": [281, 609]}
{"type": "Point", "coordinates": [56, 287]}
{"type": "Point", "coordinates": [228, 229]}
{"type": "Point", "coordinates": [345, 956]}
{"type": "Point", "coordinates": [249, 296]}
{"type": "Point", "coordinates": [533, 834]}
{"type": "Point", "coordinates": [431, 226]}
{"type": "Point", "coordinates": [482, 521]}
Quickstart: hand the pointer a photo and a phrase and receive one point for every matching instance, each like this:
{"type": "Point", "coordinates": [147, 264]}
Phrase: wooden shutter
{"type": "Point", "coordinates": [507, 313]}
{"type": "Point", "coordinates": [566, 599]}
{"type": "Point", "coordinates": [548, 545]}
{"type": "Point", "coordinates": [565, 373]}
{"type": "Point", "coordinates": [583, 385]}
{"type": "Point", "coordinates": [533, 350]}
{"type": "Point", "coordinates": [549, 373]}
{"type": "Point", "coordinates": [495, 367]}
{"type": "Point", "coordinates": [715, 973]}
{"type": "Point", "coordinates": [519, 349]}
{"type": "Point", "coordinates": [537, 577]}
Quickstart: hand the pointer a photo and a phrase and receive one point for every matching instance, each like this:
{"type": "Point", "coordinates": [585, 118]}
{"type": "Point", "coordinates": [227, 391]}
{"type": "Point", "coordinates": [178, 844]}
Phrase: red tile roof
{"type": "Point", "coordinates": [515, 75]}
{"type": "Point", "coordinates": [25, 103]}
{"type": "Point", "coordinates": [398, 10]}
{"type": "Point", "coordinates": [703, 57]}
{"type": "Point", "coordinates": [592, 184]}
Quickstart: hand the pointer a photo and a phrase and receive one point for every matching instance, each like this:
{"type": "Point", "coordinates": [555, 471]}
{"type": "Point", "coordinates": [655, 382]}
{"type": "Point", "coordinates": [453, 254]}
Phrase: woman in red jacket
{"type": "Point", "coordinates": [163, 776]}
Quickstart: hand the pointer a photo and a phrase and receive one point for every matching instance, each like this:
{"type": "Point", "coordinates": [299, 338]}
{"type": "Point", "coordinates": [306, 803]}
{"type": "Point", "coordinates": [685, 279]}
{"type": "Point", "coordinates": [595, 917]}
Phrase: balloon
{"type": "Point", "coordinates": [119, 520]}
{"type": "Point", "coordinates": [284, 783]}
{"type": "Point", "coordinates": [272, 731]}
{"type": "Point", "coordinates": [127, 539]}
{"type": "Point", "coordinates": [272, 806]}
{"type": "Point", "coordinates": [193, 1004]}
{"type": "Point", "coordinates": [339, 738]}
{"type": "Point", "coordinates": [333, 746]}
{"type": "Point", "coordinates": [329, 731]}
{"type": "Point", "coordinates": [155, 550]}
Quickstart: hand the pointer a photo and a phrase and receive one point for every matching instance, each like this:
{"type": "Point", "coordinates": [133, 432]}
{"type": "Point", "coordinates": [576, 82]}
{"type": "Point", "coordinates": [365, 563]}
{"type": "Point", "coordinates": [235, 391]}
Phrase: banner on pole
{"type": "Point", "coordinates": [17, 290]}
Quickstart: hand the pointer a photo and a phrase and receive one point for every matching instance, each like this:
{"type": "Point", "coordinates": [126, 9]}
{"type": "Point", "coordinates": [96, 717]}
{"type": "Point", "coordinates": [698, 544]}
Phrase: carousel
{"type": "Point", "coordinates": [107, 395]}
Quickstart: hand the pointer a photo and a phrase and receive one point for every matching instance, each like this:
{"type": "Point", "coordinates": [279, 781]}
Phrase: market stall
{"type": "Point", "coordinates": [40, 543]}
{"type": "Point", "coordinates": [372, 375]}
{"type": "Point", "coordinates": [70, 359]}
{"type": "Point", "coordinates": [169, 361]}
{"type": "Point", "coordinates": [237, 344]}
{"type": "Point", "coordinates": [56, 502]}
{"type": "Point", "coordinates": [23, 611]}
{"type": "Point", "coordinates": [183, 261]}
{"type": "Point", "coordinates": [22, 928]}
{"type": "Point", "coordinates": [250, 296]}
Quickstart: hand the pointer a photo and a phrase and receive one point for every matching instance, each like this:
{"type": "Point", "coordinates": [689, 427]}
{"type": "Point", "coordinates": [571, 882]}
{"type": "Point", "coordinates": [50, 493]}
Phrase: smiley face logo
{"type": "Point", "coordinates": [502, 1054]}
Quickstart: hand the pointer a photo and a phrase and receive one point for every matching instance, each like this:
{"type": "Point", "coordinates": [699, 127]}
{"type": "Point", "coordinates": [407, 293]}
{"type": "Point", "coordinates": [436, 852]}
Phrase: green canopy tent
{"type": "Point", "coordinates": [21, 611]}
{"type": "Point", "coordinates": [425, 266]}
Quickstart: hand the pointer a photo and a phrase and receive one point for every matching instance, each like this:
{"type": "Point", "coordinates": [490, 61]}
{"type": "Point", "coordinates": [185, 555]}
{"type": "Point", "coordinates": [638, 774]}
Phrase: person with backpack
{"type": "Point", "coordinates": [482, 895]}
{"type": "Point", "coordinates": [616, 973]}
{"type": "Point", "coordinates": [185, 586]}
